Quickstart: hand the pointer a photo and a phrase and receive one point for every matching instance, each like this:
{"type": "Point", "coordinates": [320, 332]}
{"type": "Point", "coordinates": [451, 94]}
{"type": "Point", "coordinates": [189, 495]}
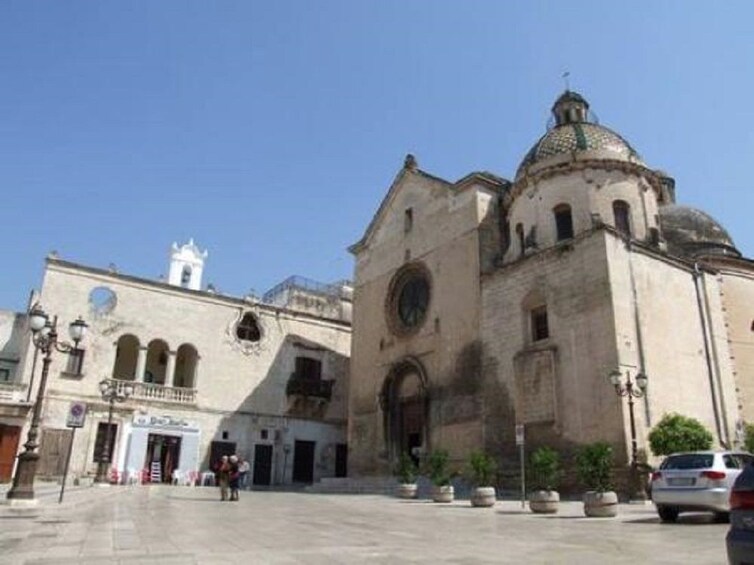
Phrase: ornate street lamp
{"type": "Point", "coordinates": [45, 340]}
{"type": "Point", "coordinates": [627, 389]}
{"type": "Point", "coordinates": [112, 392]}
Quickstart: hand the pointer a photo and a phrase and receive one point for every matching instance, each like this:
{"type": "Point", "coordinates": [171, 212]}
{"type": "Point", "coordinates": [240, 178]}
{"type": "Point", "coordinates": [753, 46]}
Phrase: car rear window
{"type": "Point", "coordinates": [688, 461]}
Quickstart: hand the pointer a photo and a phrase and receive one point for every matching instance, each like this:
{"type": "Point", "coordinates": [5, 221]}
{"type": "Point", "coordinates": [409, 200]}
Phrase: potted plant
{"type": "Point", "coordinates": [594, 465]}
{"type": "Point", "coordinates": [544, 465]}
{"type": "Point", "coordinates": [437, 469]}
{"type": "Point", "coordinates": [406, 472]}
{"type": "Point", "coordinates": [482, 469]}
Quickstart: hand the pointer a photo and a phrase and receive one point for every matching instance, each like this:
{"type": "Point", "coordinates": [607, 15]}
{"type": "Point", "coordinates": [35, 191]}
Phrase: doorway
{"type": "Point", "coordinates": [303, 461]}
{"type": "Point", "coordinates": [405, 405]}
{"type": "Point", "coordinates": [163, 455]}
{"type": "Point", "coordinates": [53, 451]}
{"type": "Point", "coordinates": [262, 465]}
{"type": "Point", "coordinates": [9, 436]}
{"type": "Point", "coordinates": [341, 460]}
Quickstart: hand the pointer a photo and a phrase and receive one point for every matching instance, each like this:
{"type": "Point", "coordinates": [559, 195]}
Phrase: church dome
{"type": "Point", "coordinates": [576, 131]}
{"type": "Point", "coordinates": [692, 233]}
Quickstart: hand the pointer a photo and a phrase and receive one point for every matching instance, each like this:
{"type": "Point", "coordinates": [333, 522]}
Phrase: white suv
{"type": "Point", "coordinates": [699, 480]}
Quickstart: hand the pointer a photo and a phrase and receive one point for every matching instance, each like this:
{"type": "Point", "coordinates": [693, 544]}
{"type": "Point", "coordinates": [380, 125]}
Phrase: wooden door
{"type": "Point", "coordinates": [53, 450]}
{"type": "Point", "coordinates": [9, 436]}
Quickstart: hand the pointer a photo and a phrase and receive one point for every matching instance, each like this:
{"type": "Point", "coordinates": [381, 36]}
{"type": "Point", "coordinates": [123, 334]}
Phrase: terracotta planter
{"type": "Point", "coordinates": [544, 501]}
{"type": "Point", "coordinates": [600, 504]}
{"type": "Point", "coordinates": [443, 493]}
{"type": "Point", "coordinates": [407, 490]}
{"type": "Point", "coordinates": [483, 496]}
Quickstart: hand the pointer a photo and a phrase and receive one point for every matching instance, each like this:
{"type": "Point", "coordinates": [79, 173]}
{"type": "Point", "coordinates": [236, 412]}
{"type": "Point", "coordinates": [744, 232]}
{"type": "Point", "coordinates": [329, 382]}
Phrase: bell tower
{"type": "Point", "coordinates": [186, 265]}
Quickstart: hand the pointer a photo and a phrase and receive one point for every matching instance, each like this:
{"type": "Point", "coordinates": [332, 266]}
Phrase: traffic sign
{"type": "Point", "coordinates": [76, 415]}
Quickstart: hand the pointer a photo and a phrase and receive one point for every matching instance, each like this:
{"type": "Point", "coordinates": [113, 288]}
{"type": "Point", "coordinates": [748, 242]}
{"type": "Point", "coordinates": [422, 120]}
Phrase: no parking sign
{"type": "Point", "coordinates": [76, 415]}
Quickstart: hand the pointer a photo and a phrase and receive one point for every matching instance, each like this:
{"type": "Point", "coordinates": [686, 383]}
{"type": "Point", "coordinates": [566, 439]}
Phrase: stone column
{"type": "Point", "coordinates": [170, 369]}
{"type": "Point", "coordinates": [141, 365]}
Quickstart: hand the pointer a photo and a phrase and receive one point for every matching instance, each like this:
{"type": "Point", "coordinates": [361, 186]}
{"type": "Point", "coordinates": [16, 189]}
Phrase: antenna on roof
{"type": "Point", "coordinates": [565, 79]}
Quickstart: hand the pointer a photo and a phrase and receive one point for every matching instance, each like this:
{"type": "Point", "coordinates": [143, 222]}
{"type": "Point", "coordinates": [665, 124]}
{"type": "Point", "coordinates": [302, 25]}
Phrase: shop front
{"type": "Point", "coordinates": [161, 447]}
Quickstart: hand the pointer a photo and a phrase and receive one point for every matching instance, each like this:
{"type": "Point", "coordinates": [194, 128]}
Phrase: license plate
{"type": "Point", "coordinates": [682, 482]}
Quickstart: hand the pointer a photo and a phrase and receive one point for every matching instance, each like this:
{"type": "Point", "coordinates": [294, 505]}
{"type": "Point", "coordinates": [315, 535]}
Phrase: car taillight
{"type": "Point", "coordinates": [656, 476]}
{"type": "Point", "coordinates": [742, 500]}
{"type": "Point", "coordinates": [713, 475]}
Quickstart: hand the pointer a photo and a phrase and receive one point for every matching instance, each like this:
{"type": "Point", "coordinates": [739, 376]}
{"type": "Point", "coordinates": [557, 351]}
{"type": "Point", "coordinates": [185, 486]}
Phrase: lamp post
{"type": "Point", "coordinates": [627, 389]}
{"type": "Point", "coordinates": [111, 393]}
{"type": "Point", "coordinates": [45, 340]}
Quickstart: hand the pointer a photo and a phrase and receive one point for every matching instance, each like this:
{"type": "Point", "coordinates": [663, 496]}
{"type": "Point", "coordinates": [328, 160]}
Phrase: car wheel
{"type": "Point", "coordinates": [667, 513]}
{"type": "Point", "coordinates": [722, 517]}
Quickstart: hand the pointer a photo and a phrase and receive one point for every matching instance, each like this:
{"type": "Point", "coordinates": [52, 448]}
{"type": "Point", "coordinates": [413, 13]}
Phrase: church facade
{"type": "Point", "coordinates": [483, 304]}
{"type": "Point", "coordinates": [208, 374]}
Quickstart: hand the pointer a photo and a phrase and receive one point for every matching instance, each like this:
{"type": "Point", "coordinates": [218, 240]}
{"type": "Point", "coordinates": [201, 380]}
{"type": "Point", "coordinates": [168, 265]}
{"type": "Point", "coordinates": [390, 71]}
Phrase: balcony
{"type": "Point", "coordinates": [311, 388]}
{"type": "Point", "coordinates": [157, 393]}
{"type": "Point", "coordinates": [13, 401]}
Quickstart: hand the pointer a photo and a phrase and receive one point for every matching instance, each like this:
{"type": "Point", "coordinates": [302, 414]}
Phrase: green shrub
{"type": "Point", "coordinates": [749, 438]}
{"type": "Point", "coordinates": [544, 466]}
{"type": "Point", "coordinates": [405, 469]}
{"type": "Point", "coordinates": [595, 465]}
{"type": "Point", "coordinates": [482, 469]}
{"type": "Point", "coordinates": [676, 433]}
{"type": "Point", "coordinates": [437, 467]}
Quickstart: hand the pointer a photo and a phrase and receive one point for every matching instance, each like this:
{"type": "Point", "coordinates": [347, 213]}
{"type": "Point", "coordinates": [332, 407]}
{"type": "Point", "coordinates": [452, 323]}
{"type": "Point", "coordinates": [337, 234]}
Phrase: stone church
{"type": "Point", "coordinates": [485, 303]}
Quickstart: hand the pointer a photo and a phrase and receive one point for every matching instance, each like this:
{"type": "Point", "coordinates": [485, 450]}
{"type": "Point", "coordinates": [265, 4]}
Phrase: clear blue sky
{"type": "Point", "coordinates": [270, 131]}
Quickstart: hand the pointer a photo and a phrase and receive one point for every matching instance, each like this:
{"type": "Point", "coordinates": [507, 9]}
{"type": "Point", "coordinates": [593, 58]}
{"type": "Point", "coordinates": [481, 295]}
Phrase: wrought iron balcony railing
{"type": "Point", "coordinates": [313, 388]}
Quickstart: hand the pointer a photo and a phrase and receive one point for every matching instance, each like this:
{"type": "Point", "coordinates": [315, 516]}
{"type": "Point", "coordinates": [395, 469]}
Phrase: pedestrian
{"type": "Point", "coordinates": [243, 470]}
{"type": "Point", "coordinates": [222, 473]}
{"type": "Point", "coordinates": [235, 477]}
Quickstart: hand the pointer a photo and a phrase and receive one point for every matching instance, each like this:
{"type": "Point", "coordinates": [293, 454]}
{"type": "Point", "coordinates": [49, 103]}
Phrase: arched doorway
{"type": "Point", "coordinates": [126, 356]}
{"type": "Point", "coordinates": [405, 406]}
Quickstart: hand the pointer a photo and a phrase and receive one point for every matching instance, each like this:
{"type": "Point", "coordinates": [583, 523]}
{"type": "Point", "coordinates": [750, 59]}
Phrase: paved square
{"type": "Point", "coordinates": [183, 525]}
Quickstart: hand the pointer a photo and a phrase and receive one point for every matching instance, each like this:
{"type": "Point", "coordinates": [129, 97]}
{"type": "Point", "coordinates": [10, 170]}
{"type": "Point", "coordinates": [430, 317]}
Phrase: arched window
{"type": "Point", "coordinates": [520, 238]}
{"type": "Point", "coordinates": [126, 356]}
{"type": "Point", "coordinates": [540, 328]}
{"type": "Point", "coordinates": [248, 329]}
{"type": "Point", "coordinates": [185, 276]}
{"type": "Point", "coordinates": [622, 215]}
{"type": "Point", "coordinates": [563, 222]}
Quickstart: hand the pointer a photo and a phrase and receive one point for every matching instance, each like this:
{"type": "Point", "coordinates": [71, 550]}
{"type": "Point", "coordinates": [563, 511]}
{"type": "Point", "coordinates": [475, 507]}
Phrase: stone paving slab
{"type": "Point", "coordinates": [184, 525]}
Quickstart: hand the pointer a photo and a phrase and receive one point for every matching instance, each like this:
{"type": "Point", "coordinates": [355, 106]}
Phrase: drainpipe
{"type": "Point", "coordinates": [696, 275]}
{"type": "Point", "coordinates": [704, 315]}
{"type": "Point", "coordinates": [637, 324]}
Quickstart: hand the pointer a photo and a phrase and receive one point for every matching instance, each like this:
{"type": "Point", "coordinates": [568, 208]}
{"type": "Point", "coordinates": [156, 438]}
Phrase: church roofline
{"type": "Point", "coordinates": [491, 180]}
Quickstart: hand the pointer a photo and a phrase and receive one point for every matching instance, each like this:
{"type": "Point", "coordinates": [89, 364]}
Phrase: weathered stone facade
{"type": "Point", "coordinates": [539, 289]}
{"type": "Point", "coordinates": [218, 373]}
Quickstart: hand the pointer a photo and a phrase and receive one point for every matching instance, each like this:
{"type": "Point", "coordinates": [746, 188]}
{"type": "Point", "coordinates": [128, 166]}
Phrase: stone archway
{"type": "Point", "coordinates": [405, 409]}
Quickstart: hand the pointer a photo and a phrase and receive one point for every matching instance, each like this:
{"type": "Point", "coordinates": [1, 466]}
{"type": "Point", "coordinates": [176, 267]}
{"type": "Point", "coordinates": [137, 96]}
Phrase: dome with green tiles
{"type": "Point", "coordinates": [574, 132]}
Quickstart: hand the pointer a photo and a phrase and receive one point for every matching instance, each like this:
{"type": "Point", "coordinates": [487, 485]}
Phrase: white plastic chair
{"type": "Point", "coordinates": [133, 476]}
{"type": "Point", "coordinates": [177, 477]}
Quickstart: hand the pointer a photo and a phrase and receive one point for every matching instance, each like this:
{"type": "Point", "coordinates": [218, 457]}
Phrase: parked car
{"type": "Point", "coordinates": [740, 538]}
{"type": "Point", "coordinates": [700, 480]}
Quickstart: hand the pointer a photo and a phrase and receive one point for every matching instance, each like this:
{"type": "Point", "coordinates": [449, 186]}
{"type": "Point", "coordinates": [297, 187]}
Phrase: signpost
{"type": "Point", "coordinates": [520, 444]}
{"type": "Point", "coordinates": [76, 419]}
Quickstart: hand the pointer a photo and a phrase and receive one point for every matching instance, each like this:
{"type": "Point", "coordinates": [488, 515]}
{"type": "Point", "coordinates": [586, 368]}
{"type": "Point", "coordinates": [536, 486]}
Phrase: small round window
{"type": "Point", "coordinates": [102, 300]}
{"type": "Point", "coordinates": [248, 329]}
